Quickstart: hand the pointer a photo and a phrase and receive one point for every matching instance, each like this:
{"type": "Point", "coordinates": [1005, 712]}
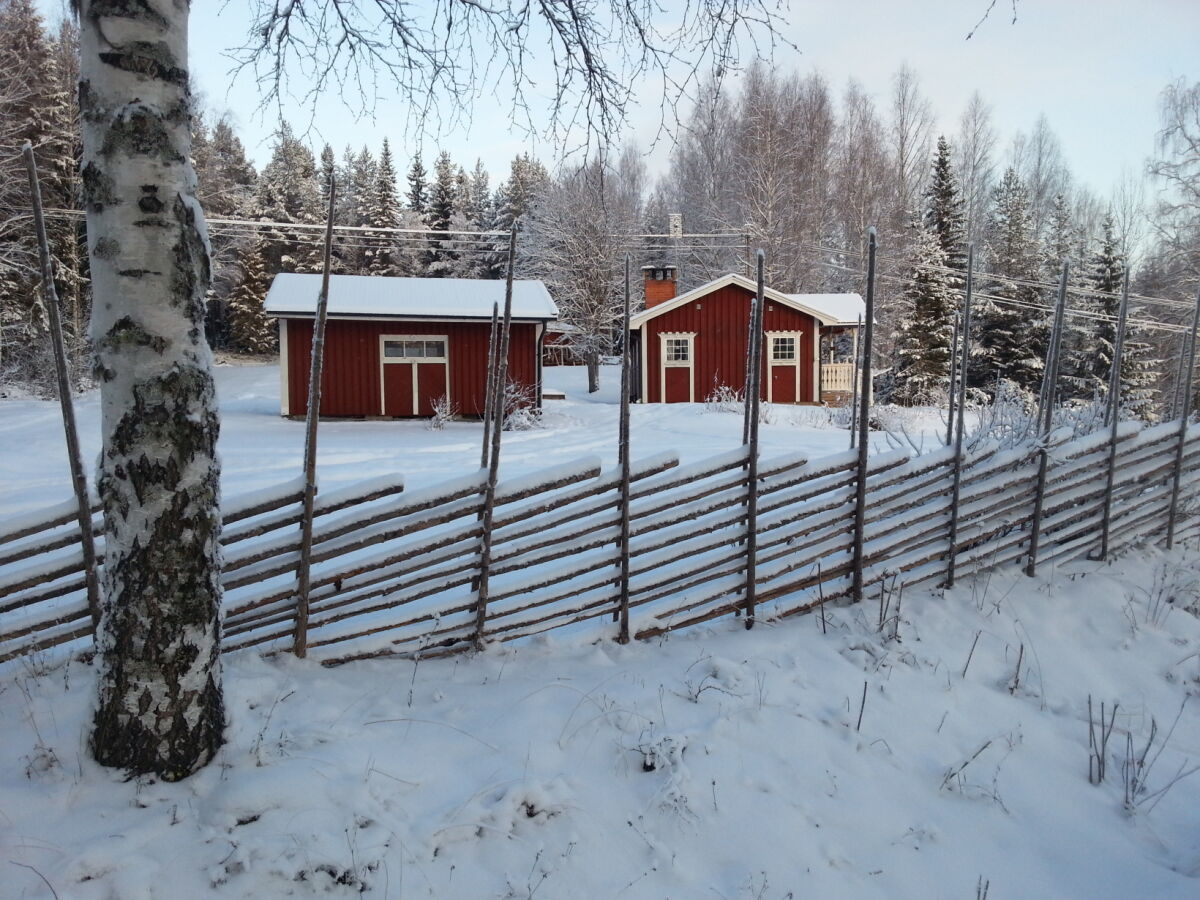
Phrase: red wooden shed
{"type": "Point", "coordinates": [688, 346]}
{"type": "Point", "coordinates": [394, 346]}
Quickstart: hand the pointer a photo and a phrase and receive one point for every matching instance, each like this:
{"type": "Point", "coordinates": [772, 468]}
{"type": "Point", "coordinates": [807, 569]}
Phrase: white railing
{"type": "Point", "coordinates": [837, 377]}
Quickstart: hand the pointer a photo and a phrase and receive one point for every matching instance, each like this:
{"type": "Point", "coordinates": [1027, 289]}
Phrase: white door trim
{"type": "Point", "coordinates": [794, 362]}
{"type": "Point", "coordinates": [664, 363]}
{"type": "Point", "coordinates": [413, 361]}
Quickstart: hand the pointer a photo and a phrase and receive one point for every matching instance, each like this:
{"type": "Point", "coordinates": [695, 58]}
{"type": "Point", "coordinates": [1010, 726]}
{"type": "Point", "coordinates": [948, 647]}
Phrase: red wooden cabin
{"type": "Point", "coordinates": [394, 346]}
{"type": "Point", "coordinates": [689, 345]}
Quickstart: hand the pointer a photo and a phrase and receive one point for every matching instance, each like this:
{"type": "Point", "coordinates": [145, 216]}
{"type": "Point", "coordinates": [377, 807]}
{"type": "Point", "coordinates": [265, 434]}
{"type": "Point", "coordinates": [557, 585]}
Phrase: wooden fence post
{"type": "Point", "coordinates": [864, 415]}
{"type": "Point", "coordinates": [489, 386]}
{"type": "Point", "coordinates": [950, 397]}
{"type": "Point", "coordinates": [1112, 415]}
{"type": "Point", "coordinates": [1188, 375]}
{"type": "Point", "coordinates": [854, 382]}
{"type": "Point", "coordinates": [754, 392]}
{"type": "Point", "coordinates": [489, 497]}
{"type": "Point", "coordinates": [956, 484]}
{"type": "Point", "coordinates": [623, 453]}
{"type": "Point", "coordinates": [300, 638]}
{"type": "Point", "coordinates": [74, 458]}
{"type": "Point", "coordinates": [1046, 415]}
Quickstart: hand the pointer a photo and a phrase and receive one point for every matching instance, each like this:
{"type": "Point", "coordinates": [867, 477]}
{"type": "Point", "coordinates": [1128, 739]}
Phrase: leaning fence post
{"type": "Point", "coordinates": [953, 366]}
{"type": "Point", "coordinates": [489, 387]}
{"type": "Point", "coordinates": [1186, 413]}
{"type": "Point", "coordinates": [623, 453]}
{"type": "Point", "coordinates": [956, 485]}
{"type": "Point", "coordinates": [1046, 415]}
{"type": "Point", "coordinates": [300, 638]}
{"type": "Point", "coordinates": [1113, 415]}
{"type": "Point", "coordinates": [754, 395]}
{"type": "Point", "coordinates": [74, 458]}
{"type": "Point", "coordinates": [854, 382]}
{"type": "Point", "coordinates": [489, 496]}
{"type": "Point", "coordinates": [864, 414]}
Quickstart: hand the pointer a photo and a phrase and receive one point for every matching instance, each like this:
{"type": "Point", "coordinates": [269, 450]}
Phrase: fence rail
{"type": "Point", "coordinates": [395, 572]}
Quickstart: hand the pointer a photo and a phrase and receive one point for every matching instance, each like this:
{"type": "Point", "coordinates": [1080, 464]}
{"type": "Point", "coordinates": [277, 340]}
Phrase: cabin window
{"type": "Point", "coordinates": [783, 349]}
{"type": "Point", "coordinates": [414, 348]}
{"type": "Point", "coordinates": [678, 350]}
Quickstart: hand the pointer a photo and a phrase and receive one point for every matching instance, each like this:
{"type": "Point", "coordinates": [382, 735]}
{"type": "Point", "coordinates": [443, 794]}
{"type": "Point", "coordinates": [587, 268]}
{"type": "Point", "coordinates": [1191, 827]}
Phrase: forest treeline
{"type": "Point", "coordinates": [787, 163]}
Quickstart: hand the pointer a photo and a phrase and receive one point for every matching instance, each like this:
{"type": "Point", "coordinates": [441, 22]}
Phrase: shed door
{"type": "Point", "coordinates": [677, 355]}
{"type": "Point", "coordinates": [414, 372]}
{"type": "Point", "coordinates": [783, 364]}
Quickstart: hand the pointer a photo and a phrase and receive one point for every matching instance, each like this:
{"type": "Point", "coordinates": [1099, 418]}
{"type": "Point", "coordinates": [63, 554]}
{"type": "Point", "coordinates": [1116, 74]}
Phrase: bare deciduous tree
{"type": "Point", "coordinates": [976, 163]}
{"type": "Point", "coordinates": [1176, 170]}
{"type": "Point", "coordinates": [437, 55]}
{"type": "Point", "coordinates": [576, 240]}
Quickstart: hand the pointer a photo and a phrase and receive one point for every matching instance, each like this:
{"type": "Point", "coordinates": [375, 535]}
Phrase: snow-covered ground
{"type": "Point", "coordinates": [713, 763]}
{"type": "Point", "coordinates": [259, 448]}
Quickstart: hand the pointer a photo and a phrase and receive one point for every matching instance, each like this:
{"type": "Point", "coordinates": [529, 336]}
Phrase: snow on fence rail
{"type": "Point", "coordinates": [396, 573]}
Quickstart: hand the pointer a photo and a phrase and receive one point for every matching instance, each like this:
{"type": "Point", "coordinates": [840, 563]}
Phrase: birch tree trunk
{"type": "Point", "coordinates": [160, 707]}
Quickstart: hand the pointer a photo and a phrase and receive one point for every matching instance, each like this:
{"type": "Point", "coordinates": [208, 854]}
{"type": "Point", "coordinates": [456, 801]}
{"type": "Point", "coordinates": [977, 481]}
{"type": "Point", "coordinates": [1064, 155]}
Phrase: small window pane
{"type": "Point", "coordinates": [393, 348]}
{"type": "Point", "coordinates": [783, 349]}
{"type": "Point", "coordinates": [435, 349]}
{"type": "Point", "coordinates": [677, 350]}
{"type": "Point", "coordinates": [414, 349]}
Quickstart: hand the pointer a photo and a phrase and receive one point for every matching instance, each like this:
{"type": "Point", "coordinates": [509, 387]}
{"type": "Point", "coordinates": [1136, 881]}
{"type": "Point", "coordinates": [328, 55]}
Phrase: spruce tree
{"type": "Point", "coordinates": [923, 345]}
{"type": "Point", "coordinates": [329, 175]}
{"type": "Point", "coordinates": [1107, 274]}
{"type": "Point", "coordinates": [36, 106]}
{"type": "Point", "coordinates": [443, 200]}
{"type": "Point", "coordinates": [418, 196]}
{"type": "Point", "coordinates": [384, 213]}
{"type": "Point", "coordinates": [289, 191]}
{"type": "Point", "coordinates": [944, 209]}
{"type": "Point", "coordinates": [1012, 333]}
{"type": "Point", "coordinates": [250, 329]}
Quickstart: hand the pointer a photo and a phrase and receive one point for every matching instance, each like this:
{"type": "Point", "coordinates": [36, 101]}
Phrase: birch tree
{"type": "Point", "coordinates": [160, 704]}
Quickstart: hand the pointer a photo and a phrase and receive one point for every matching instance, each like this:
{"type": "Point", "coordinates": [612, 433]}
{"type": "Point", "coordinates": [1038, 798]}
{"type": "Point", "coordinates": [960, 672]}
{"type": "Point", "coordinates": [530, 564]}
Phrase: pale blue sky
{"type": "Point", "coordinates": [1094, 67]}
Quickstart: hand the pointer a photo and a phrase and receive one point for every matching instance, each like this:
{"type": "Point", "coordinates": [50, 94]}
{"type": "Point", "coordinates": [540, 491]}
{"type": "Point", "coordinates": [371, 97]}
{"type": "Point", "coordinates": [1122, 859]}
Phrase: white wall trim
{"type": "Point", "coordinates": [285, 397]}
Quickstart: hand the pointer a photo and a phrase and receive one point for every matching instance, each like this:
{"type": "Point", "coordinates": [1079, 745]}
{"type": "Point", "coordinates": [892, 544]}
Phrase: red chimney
{"type": "Point", "coordinates": [660, 284]}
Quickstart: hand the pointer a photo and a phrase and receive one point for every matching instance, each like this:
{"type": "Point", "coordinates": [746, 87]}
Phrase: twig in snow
{"type": "Point", "coordinates": [954, 771]}
{"type": "Point", "coordinates": [38, 874]}
{"type": "Point", "coordinates": [1016, 681]}
{"type": "Point", "coordinates": [1098, 744]}
{"type": "Point", "coordinates": [967, 665]}
{"type": "Point", "coordinates": [861, 707]}
{"type": "Point", "coordinates": [434, 722]}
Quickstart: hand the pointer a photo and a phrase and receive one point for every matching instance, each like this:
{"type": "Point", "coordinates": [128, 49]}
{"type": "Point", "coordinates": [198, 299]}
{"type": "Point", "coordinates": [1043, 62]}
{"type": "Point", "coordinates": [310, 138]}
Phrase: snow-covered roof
{"type": "Point", "coordinates": [373, 296]}
{"type": "Point", "coordinates": [836, 309]}
{"type": "Point", "coordinates": [828, 309]}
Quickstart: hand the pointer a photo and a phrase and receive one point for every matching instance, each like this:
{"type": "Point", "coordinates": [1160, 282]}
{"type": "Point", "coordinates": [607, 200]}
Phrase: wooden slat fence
{"type": "Point", "coordinates": [394, 572]}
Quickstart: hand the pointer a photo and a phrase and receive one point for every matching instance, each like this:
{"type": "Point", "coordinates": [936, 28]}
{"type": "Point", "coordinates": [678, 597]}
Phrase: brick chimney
{"type": "Point", "coordinates": [660, 284]}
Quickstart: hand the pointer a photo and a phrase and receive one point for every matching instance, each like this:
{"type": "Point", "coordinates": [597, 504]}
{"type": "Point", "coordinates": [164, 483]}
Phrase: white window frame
{"type": "Point", "coordinates": [772, 362]}
{"type": "Point", "coordinates": [663, 338]}
{"type": "Point", "coordinates": [413, 361]}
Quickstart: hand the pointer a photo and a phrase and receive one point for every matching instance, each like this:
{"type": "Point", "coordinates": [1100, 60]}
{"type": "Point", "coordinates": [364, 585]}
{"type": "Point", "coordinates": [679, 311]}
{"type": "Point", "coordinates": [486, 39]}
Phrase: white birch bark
{"type": "Point", "coordinates": [160, 706]}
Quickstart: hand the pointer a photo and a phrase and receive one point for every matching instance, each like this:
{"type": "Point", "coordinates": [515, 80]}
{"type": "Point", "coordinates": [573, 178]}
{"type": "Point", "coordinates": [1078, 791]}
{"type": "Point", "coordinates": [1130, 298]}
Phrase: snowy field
{"type": "Point", "coordinates": [259, 448]}
{"type": "Point", "coordinates": [713, 763]}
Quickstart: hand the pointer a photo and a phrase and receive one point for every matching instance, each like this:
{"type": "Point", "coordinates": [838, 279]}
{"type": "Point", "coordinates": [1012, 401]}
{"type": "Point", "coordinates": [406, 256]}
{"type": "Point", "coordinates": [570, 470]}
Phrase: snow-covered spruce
{"type": "Point", "coordinates": [160, 705]}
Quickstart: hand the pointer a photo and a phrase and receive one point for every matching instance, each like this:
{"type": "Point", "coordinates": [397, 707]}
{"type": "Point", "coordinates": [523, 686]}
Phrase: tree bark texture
{"type": "Point", "coordinates": [160, 707]}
